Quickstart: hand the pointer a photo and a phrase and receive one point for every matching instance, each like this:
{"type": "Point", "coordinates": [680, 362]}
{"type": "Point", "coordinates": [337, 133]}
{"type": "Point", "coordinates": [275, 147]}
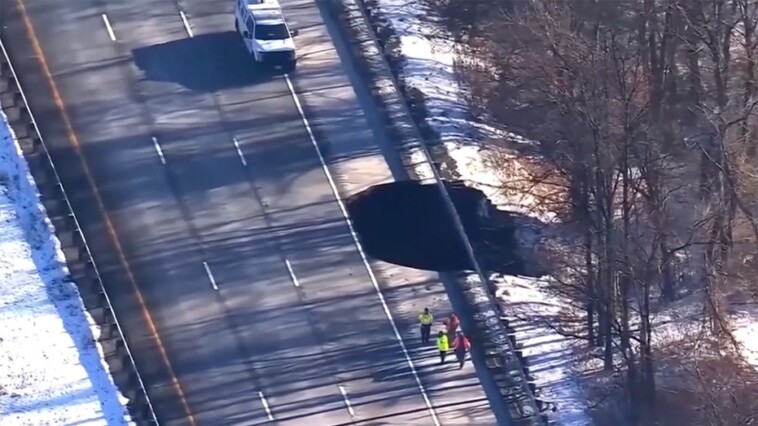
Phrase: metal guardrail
{"type": "Point", "coordinates": [79, 231]}
{"type": "Point", "coordinates": [450, 207]}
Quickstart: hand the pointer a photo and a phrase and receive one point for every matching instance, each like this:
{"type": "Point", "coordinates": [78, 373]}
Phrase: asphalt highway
{"type": "Point", "coordinates": [214, 220]}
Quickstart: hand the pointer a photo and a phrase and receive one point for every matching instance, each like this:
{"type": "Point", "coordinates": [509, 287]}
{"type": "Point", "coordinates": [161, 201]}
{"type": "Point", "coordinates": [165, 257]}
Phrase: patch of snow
{"type": "Point", "coordinates": [533, 311]}
{"type": "Point", "coordinates": [746, 332]}
{"type": "Point", "coordinates": [52, 371]}
{"type": "Point", "coordinates": [430, 54]}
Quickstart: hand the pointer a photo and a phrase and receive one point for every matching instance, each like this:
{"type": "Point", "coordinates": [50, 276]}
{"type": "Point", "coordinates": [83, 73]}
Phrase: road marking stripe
{"type": "Point", "coordinates": [109, 28]}
{"type": "Point", "coordinates": [74, 139]}
{"type": "Point", "coordinates": [292, 273]}
{"type": "Point", "coordinates": [358, 245]}
{"type": "Point", "coordinates": [210, 275]}
{"type": "Point", "coordinates": [265, 406]}
{"type": "Point", "coordinates": [347, 401]}
{"type": "Point", "coordinates": [239, 151]}
{"type": "Point", "coordinates": [186, 23]}
{"type": "Point", "coordinates": [160, 151]}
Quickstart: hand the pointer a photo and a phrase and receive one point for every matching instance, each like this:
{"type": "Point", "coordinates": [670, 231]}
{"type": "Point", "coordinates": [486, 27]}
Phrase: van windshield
{"type": "Point", "coordinates": [271, 32]}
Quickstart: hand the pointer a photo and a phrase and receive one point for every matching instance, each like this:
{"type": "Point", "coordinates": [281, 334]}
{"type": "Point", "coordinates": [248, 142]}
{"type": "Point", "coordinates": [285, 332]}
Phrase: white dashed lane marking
{"type": "Point", "coordinates": [109, 28]}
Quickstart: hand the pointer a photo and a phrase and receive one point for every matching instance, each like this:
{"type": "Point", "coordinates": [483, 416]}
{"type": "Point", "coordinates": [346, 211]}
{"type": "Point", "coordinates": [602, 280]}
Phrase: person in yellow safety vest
{"type": "Point", "coordinates": [443, 345]}
{"type": "Point", "coordinates": [425, 319]}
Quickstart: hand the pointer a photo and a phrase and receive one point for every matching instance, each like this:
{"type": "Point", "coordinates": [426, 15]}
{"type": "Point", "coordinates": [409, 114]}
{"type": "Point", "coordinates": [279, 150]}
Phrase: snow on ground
{"type": "Point", "coordinates": [429, 67]}
{"type": "Point", "coordinates": [51, 369]}
{"type": "Point", "coordinates": [746, 332]}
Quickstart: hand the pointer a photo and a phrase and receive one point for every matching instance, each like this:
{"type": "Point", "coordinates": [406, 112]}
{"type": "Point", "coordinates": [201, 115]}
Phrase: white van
{"type": "Point", "coordinates": [266, 35]}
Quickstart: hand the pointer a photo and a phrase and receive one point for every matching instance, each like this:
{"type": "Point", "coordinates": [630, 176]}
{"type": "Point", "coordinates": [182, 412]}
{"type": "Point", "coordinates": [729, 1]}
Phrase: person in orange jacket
{"type": "Point", "coordinates": [452, 324]}
{"type": "Point", "coordinates": [461, 345]}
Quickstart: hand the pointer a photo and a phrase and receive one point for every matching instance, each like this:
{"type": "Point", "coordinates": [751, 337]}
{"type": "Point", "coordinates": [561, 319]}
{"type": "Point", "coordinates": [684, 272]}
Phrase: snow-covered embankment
{"type": "Point", "coordinates": [52, 370]}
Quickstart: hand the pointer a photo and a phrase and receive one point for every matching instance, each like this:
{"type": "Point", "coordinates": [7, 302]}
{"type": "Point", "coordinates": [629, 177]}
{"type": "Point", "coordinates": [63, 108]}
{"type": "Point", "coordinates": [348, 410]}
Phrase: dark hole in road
{"type": "Point", "coordinates": [407, 223]}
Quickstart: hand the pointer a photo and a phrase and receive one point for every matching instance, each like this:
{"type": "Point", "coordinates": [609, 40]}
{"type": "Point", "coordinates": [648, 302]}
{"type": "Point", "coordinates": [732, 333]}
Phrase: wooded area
{"type": "Point", "coordinates": [645, 114]}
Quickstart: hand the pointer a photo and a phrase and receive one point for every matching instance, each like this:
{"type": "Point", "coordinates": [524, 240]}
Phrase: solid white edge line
{"type": "Point", "coordinates": [186, 23]}
{"type": "Point", "coordinates": [210, 275]}
{"type": "Point", "coordinates": [108, 27]}
{"type": "Point", "coordinates": [265, 406]}
{"type": "Point", "coordinates": [347, 401]}
{"type": "Point", "coordinates": [239, 151]}
{"type": "Point", "coordinates": [159, 150]}
{"type": "Point", "coordinates": [292, 273]}
{"type": "Point", "coordinates": [358, 245]}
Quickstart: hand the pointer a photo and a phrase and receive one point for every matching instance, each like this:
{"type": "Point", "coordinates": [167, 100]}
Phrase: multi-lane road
{"type": "Point", "coordinates": [211, 191]}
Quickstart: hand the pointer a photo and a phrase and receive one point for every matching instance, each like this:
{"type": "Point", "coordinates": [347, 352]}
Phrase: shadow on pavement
{"type": "Point", "coordinates": [190, 62]}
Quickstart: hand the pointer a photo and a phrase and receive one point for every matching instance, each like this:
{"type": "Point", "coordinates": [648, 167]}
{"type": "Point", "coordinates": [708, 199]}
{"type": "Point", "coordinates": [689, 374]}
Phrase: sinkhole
{"type": "Point", "coordinates": [407, 223]}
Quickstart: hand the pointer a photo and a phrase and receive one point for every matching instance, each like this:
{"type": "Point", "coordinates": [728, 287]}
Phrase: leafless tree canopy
{"type": "Point", "coordinates": [646, 109]}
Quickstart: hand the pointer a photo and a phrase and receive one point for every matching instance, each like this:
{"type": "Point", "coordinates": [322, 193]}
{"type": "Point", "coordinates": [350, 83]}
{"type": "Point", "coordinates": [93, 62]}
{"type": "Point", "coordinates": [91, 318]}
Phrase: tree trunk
{"type": "Point", "coordinates": [609, 308]}
{"type": "Point", "coordinates": [591, 296]}
{"type": "Point", "coordinates": [646, 351]}
{"type": "Point", "coordinates": [625, 281]}
{"type": "Point", "coordinates": [748, 81]}
{"type": "Point", "coordinates": [668, 78]}
{"type": "Point", "coordinates": [713, 272]}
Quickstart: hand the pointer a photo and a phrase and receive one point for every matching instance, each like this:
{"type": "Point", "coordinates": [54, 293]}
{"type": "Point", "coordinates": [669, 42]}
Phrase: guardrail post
{"type": "Point", "coordinates": [131, 387]}
{"type": "Point", "coordinates": [67, 239]}
{"type": "Point", "coordinates": [50, 193]}
{"type": "Point", "coordinates": [111, 344]}
{"type": "Point", "coordinates": [29, 145]}
{"type": "Point", "coordinates": [91, 297]}
{"type": "Point", "coordinates": [36, 168]}
{"type": "Point", "coordinates": [22, 129]}
{"type": "Point", "coordinates": [140, 399]}
{"type": "Point", "coordinates": [99, 314]}
{"type": "Point", "coordinates": [8, 99]}
{"type": "Point", "coordinates": [72, 252]}
{"type": "Point", "coordinates": [82, 274]}
{"type": "Point", "coordinates": [88, 275]}
{"type": "Point", "coordinates": [56, 211]}
{"type": "Point", "coordinates": [108, 331]}
{"type": "Point", "coordinates": [6, 84]}
{"type": "Point", "coordinates": [13, 109]}
{"type": "Point", "coordinates": [117, 362]}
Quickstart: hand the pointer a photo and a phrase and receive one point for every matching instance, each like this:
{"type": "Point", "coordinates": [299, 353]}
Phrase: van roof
{"type": "Point", "coordinates": [265, 11]}
{"type": "Point", "coordinates": [262, 3]}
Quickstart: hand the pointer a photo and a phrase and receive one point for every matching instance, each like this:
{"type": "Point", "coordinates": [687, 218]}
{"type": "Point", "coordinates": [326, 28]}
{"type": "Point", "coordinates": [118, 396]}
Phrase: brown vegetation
{"type": "Point", "coordinates": [645, 111]}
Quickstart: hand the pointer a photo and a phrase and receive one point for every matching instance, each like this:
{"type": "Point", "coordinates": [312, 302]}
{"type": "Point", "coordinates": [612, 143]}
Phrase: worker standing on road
{"type": "Point", "coordinates": [442, 345]}
{"type": "Point", "coordinates": [425, 319]}
{"type": "Point", "coordinates": [461, 346]}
